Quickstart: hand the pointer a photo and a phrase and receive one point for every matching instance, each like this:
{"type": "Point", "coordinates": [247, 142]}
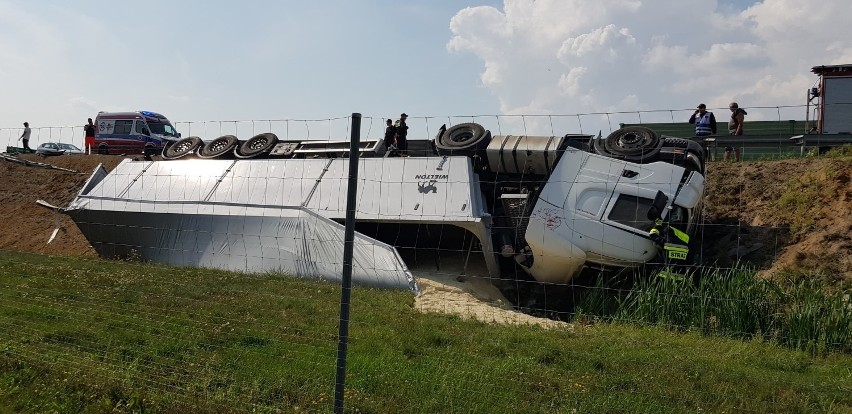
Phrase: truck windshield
{"type": "Point", "coordinates": [162, 129]}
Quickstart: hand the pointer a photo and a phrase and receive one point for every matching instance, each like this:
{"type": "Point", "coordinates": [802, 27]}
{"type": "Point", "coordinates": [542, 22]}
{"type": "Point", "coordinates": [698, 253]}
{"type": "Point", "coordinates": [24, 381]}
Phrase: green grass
{"type": "Point", "coordinates": [803, 312]}
{"type": "Point", "coordinates": [94, 336]}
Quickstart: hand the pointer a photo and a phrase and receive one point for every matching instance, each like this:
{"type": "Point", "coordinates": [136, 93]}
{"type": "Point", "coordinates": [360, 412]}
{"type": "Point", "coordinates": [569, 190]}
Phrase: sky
{"type": "Point", "coordinates": [445, 61]}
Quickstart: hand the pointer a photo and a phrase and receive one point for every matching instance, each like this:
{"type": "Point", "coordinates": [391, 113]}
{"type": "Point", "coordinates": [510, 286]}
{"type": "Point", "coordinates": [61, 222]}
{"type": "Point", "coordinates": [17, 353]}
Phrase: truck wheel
{"type": "Point", "coordinates": [463, 139]}
{"type": "Point", "coordinates": [633, 143]}
{"type": "Point", "coordinates": [218, 146]}
{"type": "Point", "coordinates": [257, 145]}
{"type": "Point", "coordinates": [182, 148]}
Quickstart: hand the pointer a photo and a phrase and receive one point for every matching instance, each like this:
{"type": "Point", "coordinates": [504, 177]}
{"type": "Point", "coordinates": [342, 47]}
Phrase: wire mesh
{"type": "Point", "coordinates": [198, 308]}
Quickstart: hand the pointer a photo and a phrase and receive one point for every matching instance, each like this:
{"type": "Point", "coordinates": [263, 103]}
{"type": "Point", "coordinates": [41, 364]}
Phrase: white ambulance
{"type": "Point", "coordinates": [140, 132]}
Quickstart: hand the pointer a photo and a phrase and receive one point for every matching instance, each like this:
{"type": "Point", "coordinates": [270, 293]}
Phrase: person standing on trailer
{"type": "Point", "coordinates": [390, 135]}
{"type": "Point", "coordinates": [25, 136]}
{"type": "Point", "coordinates": [90, 136]}
{"type": "Point", "coordinates": [402, 135]}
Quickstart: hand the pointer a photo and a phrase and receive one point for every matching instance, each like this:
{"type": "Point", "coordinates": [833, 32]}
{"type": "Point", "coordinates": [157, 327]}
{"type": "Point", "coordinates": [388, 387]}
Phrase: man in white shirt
{"type": "Point", "coordinates": [26, 136]}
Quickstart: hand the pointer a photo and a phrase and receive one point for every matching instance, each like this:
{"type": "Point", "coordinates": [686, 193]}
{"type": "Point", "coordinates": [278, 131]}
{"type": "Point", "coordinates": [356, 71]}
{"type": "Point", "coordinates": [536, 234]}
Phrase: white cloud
{"type": "Point", "coordinates": [81, 102]}
{"type": "Point", "coordinates": [569, 83]}
{"type": "Point", "coordinates": [603, 42]}
{"type": "Point", "coordinates": [576, 56]}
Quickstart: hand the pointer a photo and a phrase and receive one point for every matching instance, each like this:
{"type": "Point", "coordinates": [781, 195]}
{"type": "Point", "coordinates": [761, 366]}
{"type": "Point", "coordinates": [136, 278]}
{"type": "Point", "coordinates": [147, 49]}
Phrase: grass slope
{"type": "Point", "coordinates": [83, 335]}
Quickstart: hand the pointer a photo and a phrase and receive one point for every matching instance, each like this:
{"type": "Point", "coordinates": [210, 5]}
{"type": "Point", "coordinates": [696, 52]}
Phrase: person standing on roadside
{"type": "Point", "coordinates": [735, 127]}
{"type": "Point", "coordinates": [25, 136]}
{"type": "Point", "coordinates": [90, 136]}
{"type": "Point", "coordinates": [402, 135]}
{"type": "Point", "coordinates": [704, 120]}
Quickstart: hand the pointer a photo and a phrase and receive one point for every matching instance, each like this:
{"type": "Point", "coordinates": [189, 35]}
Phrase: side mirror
{"type": "Point", "coordinates": [178, 134]}
{"type": "Point", "coordinates": [657, 207]}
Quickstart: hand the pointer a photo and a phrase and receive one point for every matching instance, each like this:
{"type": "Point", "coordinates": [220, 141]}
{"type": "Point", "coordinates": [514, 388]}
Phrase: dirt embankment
{"type": "Point", "coordinates": [780, 215]}
{"type": "Point", "coordinates": [773, 215]}
{"type": "Point", "coordinates": [25, 225]}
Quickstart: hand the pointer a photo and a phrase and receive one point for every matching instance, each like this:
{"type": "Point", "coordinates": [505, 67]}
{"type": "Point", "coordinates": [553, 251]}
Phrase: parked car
{"type": "Point", "coordinates": [57, 148]}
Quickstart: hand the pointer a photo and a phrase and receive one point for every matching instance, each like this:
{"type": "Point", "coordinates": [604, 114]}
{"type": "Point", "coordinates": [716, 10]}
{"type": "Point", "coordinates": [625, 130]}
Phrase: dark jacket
{"type": "Point", "coordinates": [390, 133]}
{"type": "Point", "coordinates": [401, 129]}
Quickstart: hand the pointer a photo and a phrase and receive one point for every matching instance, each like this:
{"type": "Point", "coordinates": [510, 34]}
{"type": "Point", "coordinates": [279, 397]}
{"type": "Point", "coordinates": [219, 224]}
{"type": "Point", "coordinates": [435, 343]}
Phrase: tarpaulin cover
{"type": "Point", "coordinates": [299, 243]}
{"type": "Point", "coordinates": [271, 215]}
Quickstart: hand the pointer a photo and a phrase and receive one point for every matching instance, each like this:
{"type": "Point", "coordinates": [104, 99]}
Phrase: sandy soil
{"type": "Point", "coordinates": [743, 221]}
{"type": "Point", "coordinates": [468, 293]}
{"type": "Point", "coordinates": [741, 224]}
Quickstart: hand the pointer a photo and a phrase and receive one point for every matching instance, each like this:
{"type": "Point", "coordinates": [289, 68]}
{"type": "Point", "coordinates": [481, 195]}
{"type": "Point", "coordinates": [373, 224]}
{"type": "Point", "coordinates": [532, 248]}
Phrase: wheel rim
{"type": "Point", "coordinates": [461, 137]}
{"type": "Point", "coordinates": [630, 141]}
{"type": "Point", "coordinates": [218, 145]}
{"type": "Point", "coordinates": [258, 143]}
{"type": "Point", "coordinates": [633, 143]}
{"type": "Point", "coordinates": [182, 147]}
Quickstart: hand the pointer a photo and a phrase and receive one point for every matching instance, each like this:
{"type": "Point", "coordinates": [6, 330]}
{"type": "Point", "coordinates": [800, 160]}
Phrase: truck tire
{"type": "Point", "coordinates": [218, 147]}
{"type": "Point", "coordinates": [257, 145]}
{"type": "Point", "coordinates": [182, 148]}
{"type": "Point", "coordinates": [633, 143]}
{"type": "Point", "coordinates": [463, 139]}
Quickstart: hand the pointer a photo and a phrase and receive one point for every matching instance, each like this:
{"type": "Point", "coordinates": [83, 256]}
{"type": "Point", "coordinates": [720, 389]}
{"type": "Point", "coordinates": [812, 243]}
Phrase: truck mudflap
{"type": "Point", "coordinates": [554, 258]}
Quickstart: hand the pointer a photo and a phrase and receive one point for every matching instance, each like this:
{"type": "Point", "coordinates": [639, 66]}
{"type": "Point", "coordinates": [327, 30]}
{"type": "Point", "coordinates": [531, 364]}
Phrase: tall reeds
{"type": "Point", "coordinates": [805, 313]}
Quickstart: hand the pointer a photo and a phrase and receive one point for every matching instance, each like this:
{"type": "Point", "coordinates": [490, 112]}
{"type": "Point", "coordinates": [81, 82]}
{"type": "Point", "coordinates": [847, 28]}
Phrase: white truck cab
{"type": "Point", "coordinates": [593, 210]}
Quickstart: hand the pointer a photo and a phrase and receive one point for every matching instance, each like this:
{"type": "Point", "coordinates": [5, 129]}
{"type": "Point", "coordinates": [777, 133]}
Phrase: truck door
{"type": "Point", "coordinates": [586, 202]}
{"type": "Point", "coordinates": [625, 218]}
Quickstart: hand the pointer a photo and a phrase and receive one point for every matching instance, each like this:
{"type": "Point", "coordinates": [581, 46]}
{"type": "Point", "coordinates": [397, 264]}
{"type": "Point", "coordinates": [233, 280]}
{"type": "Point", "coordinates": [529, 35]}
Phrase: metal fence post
{"type": "Point", "coordinates": [346, 283]}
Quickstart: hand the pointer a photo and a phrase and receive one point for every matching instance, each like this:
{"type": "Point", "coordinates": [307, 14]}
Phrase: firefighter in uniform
{"type": "Point", "coordinates": [675, 246]}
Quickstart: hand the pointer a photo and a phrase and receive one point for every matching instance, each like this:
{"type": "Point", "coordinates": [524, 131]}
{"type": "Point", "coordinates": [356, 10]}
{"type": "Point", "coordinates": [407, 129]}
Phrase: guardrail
{"type": "Point", "coordinates": [758, 146]}
{"type": "Point", "coordinates": [822, 142]}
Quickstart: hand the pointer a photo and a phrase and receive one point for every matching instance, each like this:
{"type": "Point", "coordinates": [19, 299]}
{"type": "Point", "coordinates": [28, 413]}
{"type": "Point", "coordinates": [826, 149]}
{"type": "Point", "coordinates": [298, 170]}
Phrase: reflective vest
{"type": "Point", "coordinates": [677, 242]}
{"type": "Point", "coordinates": [702, 124]}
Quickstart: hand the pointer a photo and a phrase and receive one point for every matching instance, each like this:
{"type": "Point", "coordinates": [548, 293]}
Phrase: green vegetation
{"type": "Point", "coordinates": [804, 193]}
{"type": "Point", "coordinates": [93, 336]}
{"type": "Point", "coordinates": [802, 312]}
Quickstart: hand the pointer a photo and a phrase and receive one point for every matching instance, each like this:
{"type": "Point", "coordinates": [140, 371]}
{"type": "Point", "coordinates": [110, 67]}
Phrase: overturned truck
{"type": "Point", "coordinates": [549, 205]}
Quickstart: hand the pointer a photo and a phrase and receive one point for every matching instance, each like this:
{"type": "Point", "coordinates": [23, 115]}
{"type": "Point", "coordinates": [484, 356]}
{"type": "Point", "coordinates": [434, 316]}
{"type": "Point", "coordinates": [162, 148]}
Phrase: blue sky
{"type": "Point", "coordinates": [61, 62]}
